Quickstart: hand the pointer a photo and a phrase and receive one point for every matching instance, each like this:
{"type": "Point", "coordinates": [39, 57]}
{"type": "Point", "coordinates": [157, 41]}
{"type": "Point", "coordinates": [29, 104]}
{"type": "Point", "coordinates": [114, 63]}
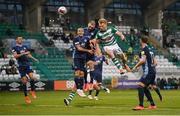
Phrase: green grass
{"type": "Point", "coordinates": [118, 102]}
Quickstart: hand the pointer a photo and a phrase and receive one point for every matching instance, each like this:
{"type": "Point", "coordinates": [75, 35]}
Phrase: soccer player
{"type": "Point", "coordinates": [106, 38]}
{"type": "Point", "coordinates": [90, 32]}
{"type": "Point", "coordinates": [22, 54]}
{"type": "Point", "coordinates": [148, 76]}
{"type": "Point", "coordinates": [153, 85]}
{"type": "Point", "coordinates": [79, 62]}
{"type": "Point", "coordinates": [96, 80]}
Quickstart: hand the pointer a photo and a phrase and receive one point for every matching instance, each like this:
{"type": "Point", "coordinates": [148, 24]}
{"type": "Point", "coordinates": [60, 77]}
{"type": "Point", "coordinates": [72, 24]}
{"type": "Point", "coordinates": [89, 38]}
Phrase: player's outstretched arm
{"type": "Point", "coordinates": [120, 35]}
{"type": "Point", "coordinates": [30, 56]}
{"type": "Point", "coordinates": [141, 62]}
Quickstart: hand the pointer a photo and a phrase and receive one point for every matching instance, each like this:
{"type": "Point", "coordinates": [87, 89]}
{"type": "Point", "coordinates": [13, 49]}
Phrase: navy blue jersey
{"type": "Point", "coordinates": [83, 42]}
{"type": "Point", "coordinates": [23, 60]}
{"type": "Point", "coordinates": [90, 33]}
{"type": "Point", "coordinates": [148, 65]}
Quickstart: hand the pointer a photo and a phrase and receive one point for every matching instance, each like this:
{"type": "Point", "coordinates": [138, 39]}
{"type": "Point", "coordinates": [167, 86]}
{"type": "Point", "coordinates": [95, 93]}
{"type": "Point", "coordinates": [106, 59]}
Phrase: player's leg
{"type": "Point", "coordinates": [24, 86]}
{"type": "Point", "coordinates": [71, 96]}
{"type": "Point", "coordinates": [22, 71]}
{"type": "Point", "coordinates": [97, 88]}
{"type": "Point", "coordinates": [32, 81]}
{"type": "Point", "coordinates": [85, 81]}
{"type": "Point", "coordinates": [157, 90]}
{"type": "Point", "coordinates": [90, 88]}
{"type": "Point", "coordinates": [109, 50]}
{"type": "Point", "coordinates": [141, 86]}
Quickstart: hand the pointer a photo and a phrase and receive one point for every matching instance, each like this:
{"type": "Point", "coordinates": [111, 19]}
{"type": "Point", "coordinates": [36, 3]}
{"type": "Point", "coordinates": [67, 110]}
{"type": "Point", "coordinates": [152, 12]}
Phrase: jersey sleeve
{"type": "Point", "coordinates": [76, 41]}
{"type": "Point", "coordinates": [14, 50]}
{"type": "Point", "coordinates": [114, 30]}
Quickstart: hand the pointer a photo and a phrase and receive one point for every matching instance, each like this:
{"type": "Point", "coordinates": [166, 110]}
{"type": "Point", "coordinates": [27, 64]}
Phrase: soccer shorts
{"type": "Point", "coordinates": [23, 70]}
{"type": "Point", "coordinates": [115, 48]}
{"type": "Point", "coordinates": [79, 64]}
{"type": "Point", "coordinates": [148, 79]}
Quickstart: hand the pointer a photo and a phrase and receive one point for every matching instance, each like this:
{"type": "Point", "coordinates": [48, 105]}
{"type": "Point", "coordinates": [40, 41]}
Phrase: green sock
{"type": "Point", "coordinates": [71, 96]}
{"type": "Point", "coordinates": [117, 63]}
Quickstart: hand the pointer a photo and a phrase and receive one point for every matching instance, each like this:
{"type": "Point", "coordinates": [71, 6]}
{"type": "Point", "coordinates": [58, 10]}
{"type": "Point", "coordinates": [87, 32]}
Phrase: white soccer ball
{"type": "Point", "coordinates": [62, 10]}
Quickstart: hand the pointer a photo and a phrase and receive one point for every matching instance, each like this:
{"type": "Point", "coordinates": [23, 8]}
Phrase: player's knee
{"type": "Point", "coordinates": [140, 84]}
{"type": "Point", "coordinates": [77, 73]}
{"type": "Point", "coordinates": [81, 74]}
{"type": "Point", "coordinates": [24, 80]}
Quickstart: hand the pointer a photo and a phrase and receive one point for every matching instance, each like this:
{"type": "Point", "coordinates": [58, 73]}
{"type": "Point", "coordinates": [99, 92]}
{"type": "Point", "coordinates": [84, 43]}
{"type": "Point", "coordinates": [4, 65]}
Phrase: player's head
{"type": "Point", "coordinates": [80, 31]}
{"type": "Point", "coordinates": [19, 39]}
{"type": "Point", "coordinates": [144, 39]}
{"type": "Point", "coordinates": [91, 25]}
{"type": "Point", "coordinates": [102, 24]}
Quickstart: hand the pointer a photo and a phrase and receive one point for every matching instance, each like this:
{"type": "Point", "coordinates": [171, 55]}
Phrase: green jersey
{"type": "Point", "coordinates": [107, 37]}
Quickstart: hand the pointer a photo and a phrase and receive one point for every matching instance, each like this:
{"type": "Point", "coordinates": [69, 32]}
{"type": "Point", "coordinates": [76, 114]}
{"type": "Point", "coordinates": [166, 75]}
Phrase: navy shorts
{"type": "Point", "coordinates": [23, 70]}
{"type": "Point", "coordinates": [98, 73]}
{"type": "Point", "coordinates": [148, 79]}
{"type": "Point", "coordinates": [90, 57]}
{"type": "Point", "coordinates": [79, 64]}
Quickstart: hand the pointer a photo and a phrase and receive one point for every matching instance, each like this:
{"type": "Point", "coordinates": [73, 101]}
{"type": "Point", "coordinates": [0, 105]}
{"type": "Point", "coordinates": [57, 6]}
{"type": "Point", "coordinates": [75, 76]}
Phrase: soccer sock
{"type": "Point", "coordinates": [32, 85]}
{"type": "Point", "coordinates": [158, 92]}
{"type": "Point", "coordinates": [85, 77]}
{"type": "Point", "coordinates": [117, 63]}
{"type": "Point", "coordinates": [77, 82]}
{"type": "Point", "coordinates": [141, 95]}
{"type": "Point", "coordinates": [81, 83]}
{"type": "Point", "coordinates": [148, 95]}
{"type": "Point", "coordinates": [71, 96]}
{"type": "Point", "coordinates": [90, 92]}
{"type": "Point", "coordinates": [24, 89]}
{"type": "Point", "coordinates": [103, 88]}
{"type": "Point", "coordinates": [97, 93]}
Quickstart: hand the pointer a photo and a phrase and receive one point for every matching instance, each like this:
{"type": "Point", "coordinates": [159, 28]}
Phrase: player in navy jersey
{"type": "Point", "coordinates": [153, 85]}
{"type": "Point", "coordinates": [90, 32]}
{"type": "Point", "coordinates": [22, 54]}
{"type": "Point", "coordinates": [96, 80]}
{"type": "Point", "coordinates": [148, 76]}
{"type": "Point", "coordinates": [79, 62]}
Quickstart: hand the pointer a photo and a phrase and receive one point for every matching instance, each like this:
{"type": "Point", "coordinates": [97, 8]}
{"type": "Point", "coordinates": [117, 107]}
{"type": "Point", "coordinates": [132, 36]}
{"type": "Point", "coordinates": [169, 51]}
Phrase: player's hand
{"type": "Point", "coordinates": [26, 53]}
{"type": "Point", "coordinates": [91, 51]}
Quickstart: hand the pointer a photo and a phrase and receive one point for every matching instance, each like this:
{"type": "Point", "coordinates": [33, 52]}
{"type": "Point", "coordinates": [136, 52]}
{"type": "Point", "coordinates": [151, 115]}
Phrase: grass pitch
{"type": "Point", "coordinates": [118, 102]}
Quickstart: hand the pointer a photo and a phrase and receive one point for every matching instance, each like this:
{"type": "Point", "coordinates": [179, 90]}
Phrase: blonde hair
{"type": "Point", "coordinates": [102, 20]}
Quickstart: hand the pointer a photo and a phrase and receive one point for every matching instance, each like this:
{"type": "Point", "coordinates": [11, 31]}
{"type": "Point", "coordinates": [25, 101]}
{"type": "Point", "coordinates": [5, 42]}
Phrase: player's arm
{"type": "Point", "coordinates": [81, 49]}
{"type": "Point", "coordinates": [19, 55]}
{"type": "Point", "coordinates": [30, 56]}
{"type": "Point", "coordinates": [141, 62]}
{"type": "Point", "coordinates": [120, 35]}
{"type": "Point", "coordinates": [155, 62]}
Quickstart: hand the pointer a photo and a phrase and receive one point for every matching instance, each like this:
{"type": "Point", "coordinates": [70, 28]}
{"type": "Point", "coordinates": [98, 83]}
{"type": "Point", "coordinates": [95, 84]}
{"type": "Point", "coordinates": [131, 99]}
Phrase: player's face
{"type": "Point", "coordinates": [91, 26]}
{"type": "Point", "coordinates": [80, 32]}
{"type": "Point", "coordinates": [19, 40]}
{"type": "Point", "coordinates": [102, 26]}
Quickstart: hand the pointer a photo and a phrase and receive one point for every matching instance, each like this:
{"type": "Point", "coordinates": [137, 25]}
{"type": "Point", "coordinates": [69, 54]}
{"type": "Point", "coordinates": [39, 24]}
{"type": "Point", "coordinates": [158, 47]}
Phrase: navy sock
{"type": "Point", "coordinates": [77, 82]}
{"type": "Point", "coordinates": [85, 76]}
{"type": "Point", "coordinates": [32, 85]}
{"type": "Point", "coordinates": [141, 95]}
{"type": "Point", "coordinates": [24, 89]}
{"type": "Point", "coordinates": [81, 82]}
{"type": "Point", "coordinates": [158, 92]}
{"type": "Point", "coordinates": [90, 92]}
{"type": "Point", "coordinates": [97, 93]}
{"type": "Point", "coordinates": [148, 95]}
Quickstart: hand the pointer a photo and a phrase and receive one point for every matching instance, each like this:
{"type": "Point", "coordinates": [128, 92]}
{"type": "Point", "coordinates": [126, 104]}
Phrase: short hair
{"type": "Point", "coordinates": [92, 22]}
{"type": "Point", "coordinates": [102, 20]}
{"type": "Point", "coordinates": [18, 37]}
{"type": "Point", "coordinates": [144, 39]}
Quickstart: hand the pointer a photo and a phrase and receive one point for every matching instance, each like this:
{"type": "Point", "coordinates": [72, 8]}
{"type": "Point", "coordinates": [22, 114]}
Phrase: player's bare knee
{"type": "Point", "coordinates": [81, 74]}
{"type": "Point", "coordinates": [141, 84]}
{"type": "Point", "coordinates": [77, 73]}
{"type": "Point", "coordinates": [24, 80]}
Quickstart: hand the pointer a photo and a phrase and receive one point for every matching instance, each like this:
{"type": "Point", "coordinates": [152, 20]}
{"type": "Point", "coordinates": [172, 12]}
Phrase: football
{"type": "Point", "coordinates": [62, 10]}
